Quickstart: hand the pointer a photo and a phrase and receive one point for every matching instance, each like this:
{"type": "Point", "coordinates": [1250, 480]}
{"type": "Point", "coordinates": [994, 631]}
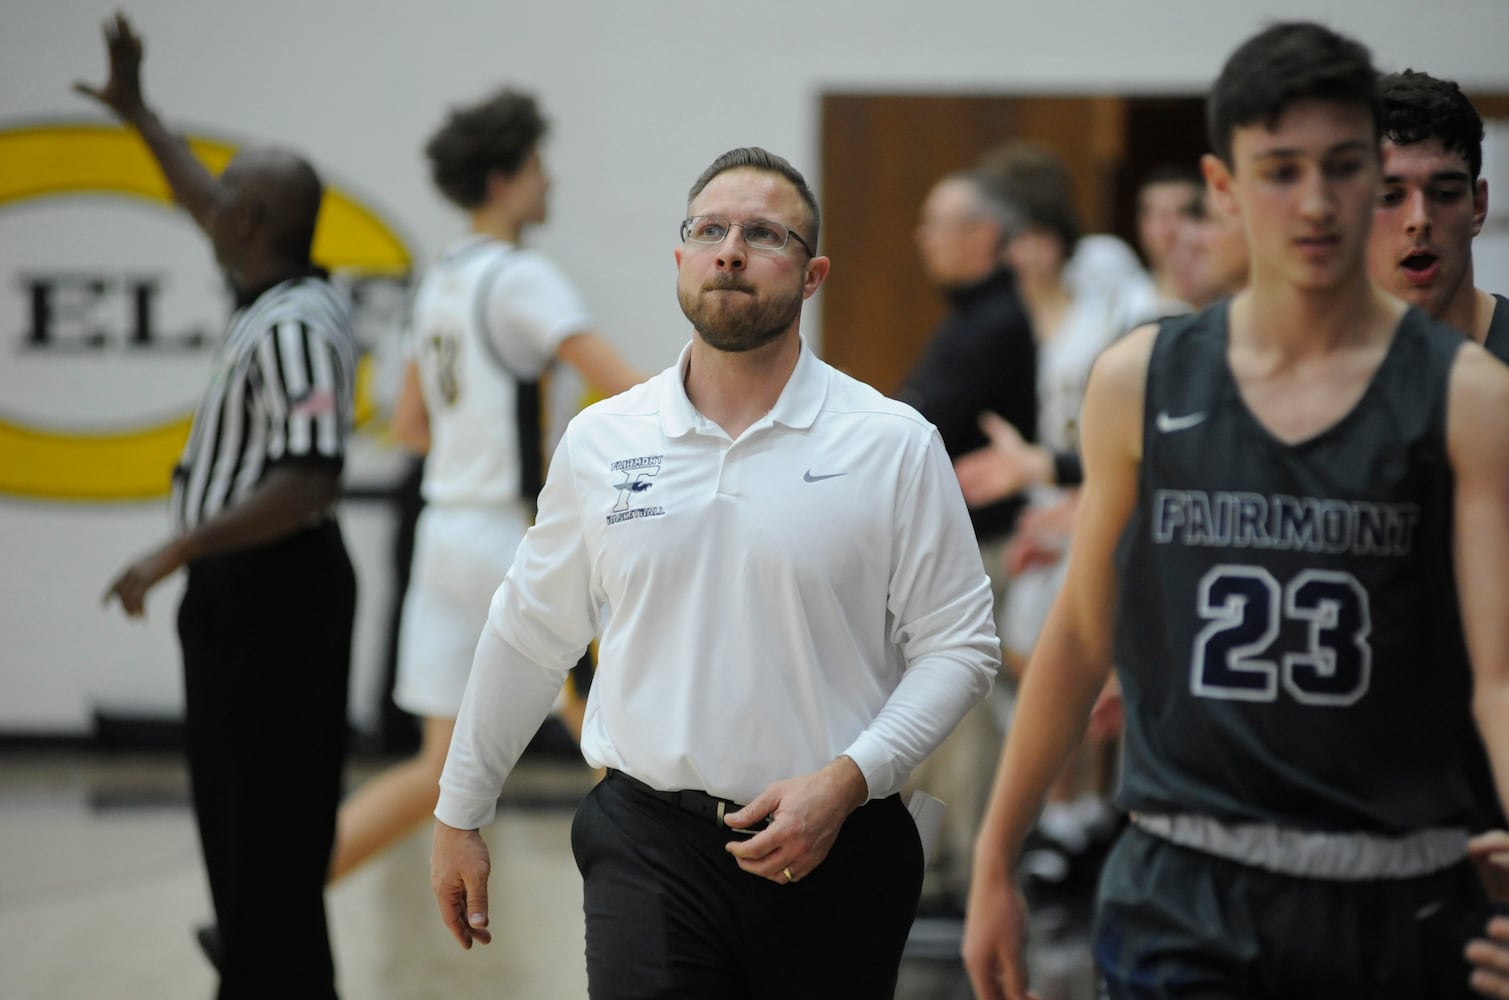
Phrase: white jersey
{"type": "Point", "coordinates": [1094, 320]}
{"type": "Point", "coordinates": [1106, 267]}
{"type": "Point", "coordinates": [1090, 324]}
{"type": "Point", "coordinates": [488, 320]}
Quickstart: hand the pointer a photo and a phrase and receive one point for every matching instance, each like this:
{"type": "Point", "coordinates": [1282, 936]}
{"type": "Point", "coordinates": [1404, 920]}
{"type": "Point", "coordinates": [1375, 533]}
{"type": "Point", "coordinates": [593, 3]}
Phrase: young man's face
{"type": "Point", "coordinates": [1306, 189]}
{"type": "Point", "coordinates": [1161, 210]}
{"type": "Point", "coordinates": [1430, 210]}
{"type": "Point", "coordinates": [527, 190]}
{"type": "Point", "coordinates": [1036, 255]}
{"type": "Point", "coordinates": [1210, 257]}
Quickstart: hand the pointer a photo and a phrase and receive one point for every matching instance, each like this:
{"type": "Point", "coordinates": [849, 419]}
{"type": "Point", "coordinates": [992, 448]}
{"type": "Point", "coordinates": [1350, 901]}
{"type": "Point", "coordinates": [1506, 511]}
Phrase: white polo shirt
{"type": "Point", "coordinates": [811, 589]}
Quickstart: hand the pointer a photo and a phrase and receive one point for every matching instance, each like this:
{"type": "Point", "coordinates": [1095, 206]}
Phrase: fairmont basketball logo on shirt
{"type": "Point", "coordinates": [634, 478]}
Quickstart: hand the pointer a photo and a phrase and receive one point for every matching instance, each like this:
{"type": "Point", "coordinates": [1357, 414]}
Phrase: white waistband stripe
{"type": "Point", "coordinates": [1350, 857]}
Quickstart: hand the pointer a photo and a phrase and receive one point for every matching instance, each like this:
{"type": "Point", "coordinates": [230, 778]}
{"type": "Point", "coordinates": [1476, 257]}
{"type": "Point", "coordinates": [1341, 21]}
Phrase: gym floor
{"type": "Point", "coordinates": [101, 887]}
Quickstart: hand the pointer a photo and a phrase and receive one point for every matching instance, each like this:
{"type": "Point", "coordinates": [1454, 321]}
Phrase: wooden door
{"type": "Point", "coordinates": [881, 155]}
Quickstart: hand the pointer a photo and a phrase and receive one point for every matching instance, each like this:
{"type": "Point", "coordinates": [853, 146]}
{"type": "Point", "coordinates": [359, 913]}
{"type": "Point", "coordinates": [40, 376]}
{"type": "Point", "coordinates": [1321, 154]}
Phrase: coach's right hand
{"type": "Point", "coordinates": [459, 867]}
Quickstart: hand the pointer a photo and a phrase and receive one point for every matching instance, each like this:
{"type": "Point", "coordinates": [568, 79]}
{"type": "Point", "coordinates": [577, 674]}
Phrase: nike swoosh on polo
{"type": "Point", "coordinates": [808, 477]}
{"type": "Point", "coordinates": [1169, 425]}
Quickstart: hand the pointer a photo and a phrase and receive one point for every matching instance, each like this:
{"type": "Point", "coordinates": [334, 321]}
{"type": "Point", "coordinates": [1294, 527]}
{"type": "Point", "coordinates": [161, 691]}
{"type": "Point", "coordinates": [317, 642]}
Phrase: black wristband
{"type": "Point", "coordinates": [1067, 468]}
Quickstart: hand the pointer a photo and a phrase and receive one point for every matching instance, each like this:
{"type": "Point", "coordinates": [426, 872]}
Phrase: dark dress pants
{"type": "Point", "coordinates": [266, 637]}
{"type": "Point", "coordinates": [670, 914]}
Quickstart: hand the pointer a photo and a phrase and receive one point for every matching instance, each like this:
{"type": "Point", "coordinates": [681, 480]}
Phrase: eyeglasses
{"type": "Point", "coordinates": [760, 234]}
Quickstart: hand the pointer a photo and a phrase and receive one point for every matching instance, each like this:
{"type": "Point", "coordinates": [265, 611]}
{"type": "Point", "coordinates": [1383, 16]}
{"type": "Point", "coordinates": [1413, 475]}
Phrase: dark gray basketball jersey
{"type": "Point", "coordinates": [1288, 636]}
{"type": "Point", "coordinates": [1497, 340]}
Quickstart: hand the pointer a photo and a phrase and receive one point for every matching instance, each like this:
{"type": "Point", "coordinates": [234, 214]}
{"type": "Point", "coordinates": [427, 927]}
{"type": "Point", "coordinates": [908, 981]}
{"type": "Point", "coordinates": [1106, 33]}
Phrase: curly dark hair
{"type": "Point", "coordinates": [1418, 106]}
{"type": "Point", "coordinates": [1282, 65]}
{"type": "Point", "coordinates": [497, 134]}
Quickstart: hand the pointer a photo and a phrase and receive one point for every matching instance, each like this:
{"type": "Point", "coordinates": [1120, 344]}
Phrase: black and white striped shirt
{"type": "Point", "coordinates": [283, 391]}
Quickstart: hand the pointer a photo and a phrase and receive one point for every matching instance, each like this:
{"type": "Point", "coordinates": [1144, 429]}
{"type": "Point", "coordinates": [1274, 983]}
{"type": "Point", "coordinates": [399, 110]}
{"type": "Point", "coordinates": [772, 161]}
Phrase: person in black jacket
{"type": "Point", "coordinates": [981, 358]}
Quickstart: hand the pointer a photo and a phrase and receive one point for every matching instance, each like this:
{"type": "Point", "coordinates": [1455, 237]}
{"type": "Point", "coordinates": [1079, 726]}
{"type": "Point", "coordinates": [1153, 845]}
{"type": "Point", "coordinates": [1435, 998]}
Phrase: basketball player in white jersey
{"type": "Point", "coordinates": [489, 322]}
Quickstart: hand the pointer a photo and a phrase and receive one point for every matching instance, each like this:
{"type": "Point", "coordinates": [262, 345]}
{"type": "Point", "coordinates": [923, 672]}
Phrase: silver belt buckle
{"type": "Point", "coordinates": [732, 829]}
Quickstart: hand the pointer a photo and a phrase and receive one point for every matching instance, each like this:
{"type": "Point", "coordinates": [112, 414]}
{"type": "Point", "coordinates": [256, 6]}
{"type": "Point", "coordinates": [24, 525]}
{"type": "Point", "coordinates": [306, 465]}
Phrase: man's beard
{"type": "Point", "coordinates": [729, 317]}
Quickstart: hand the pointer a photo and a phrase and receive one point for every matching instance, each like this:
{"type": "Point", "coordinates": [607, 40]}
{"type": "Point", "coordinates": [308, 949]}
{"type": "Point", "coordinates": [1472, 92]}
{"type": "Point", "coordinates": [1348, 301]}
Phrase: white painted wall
{"type": "Point", "coordinates": [641, 95]}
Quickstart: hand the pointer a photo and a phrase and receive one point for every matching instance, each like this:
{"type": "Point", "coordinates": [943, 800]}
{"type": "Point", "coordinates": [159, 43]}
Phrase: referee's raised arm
{"type": "Point", "coordinates": [194, 187]}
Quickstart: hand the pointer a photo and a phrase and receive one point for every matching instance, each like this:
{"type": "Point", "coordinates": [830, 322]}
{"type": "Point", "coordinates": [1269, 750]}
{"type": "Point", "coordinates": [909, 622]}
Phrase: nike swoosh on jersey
{"type": "Point", "coordinates": [808, 477]}
{"type": "Point", "coordinates": [1169, 425]}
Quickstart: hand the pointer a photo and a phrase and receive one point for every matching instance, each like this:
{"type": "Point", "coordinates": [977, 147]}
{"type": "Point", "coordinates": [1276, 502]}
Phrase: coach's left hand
{"type": "Point", "coordinates": [1490, 855]}
{"type": "Point", "coordinates": [806, 814]}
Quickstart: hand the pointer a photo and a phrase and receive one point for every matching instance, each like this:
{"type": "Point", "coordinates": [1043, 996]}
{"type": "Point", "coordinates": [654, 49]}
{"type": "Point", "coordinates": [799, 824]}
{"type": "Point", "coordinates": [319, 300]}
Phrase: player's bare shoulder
{"type": "Point", "coordinates": [1117, 388]}
{"type": "Point", "coordinates": [1124, 363]}
{"type": "Point", "coordinates": [1478, 405]}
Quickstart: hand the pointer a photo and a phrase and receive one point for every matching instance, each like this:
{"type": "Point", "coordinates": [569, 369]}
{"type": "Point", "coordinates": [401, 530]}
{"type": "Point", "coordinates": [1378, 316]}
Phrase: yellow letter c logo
{"type": "Point", "coordinates": [132, 463]}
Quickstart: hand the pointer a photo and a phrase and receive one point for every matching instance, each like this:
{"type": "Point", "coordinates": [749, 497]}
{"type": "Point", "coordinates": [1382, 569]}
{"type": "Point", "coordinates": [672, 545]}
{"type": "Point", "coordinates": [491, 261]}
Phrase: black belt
{"type": "Point", "coordinates": [699, 804]}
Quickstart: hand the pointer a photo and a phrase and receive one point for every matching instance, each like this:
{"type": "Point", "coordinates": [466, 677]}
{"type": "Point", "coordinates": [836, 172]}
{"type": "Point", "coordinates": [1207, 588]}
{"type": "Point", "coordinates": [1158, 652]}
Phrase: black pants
{"type": "Point", "coordinates": [266, 636]}
{"type": "Point", "coordinates": [670, 914]}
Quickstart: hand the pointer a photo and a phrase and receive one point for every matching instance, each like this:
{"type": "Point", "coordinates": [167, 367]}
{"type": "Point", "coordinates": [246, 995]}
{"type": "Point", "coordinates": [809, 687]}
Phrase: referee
{"type": "Point", "coordinates": [266, 619]}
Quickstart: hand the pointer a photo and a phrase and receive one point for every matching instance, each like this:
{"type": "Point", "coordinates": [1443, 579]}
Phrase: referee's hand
{"type": "Point", "coordinates": [459, 867]}
{"type": "Point", "coordinates": [130, 588]}
{"type": "Point", "coordinates": [120, 93]}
